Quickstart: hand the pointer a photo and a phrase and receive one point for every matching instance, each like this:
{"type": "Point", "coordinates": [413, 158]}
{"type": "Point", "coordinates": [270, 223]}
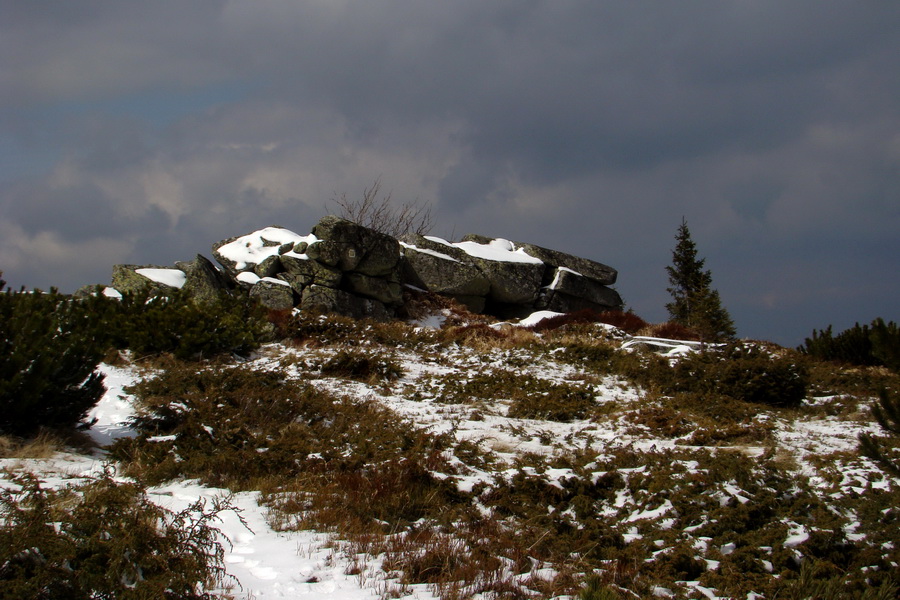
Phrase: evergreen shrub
{"type": "Point", "coordinates": [105, 539]}
{"type": "Point", "coordinates": [49, 351]}
{"type": "Point", "coordinates": [877, 344]}
{"type": "Point", "coordinates": [176, 323]}
{"type": "Point", "coordinates": [741, 372]}
{"type": "Point", "coordinates": [370, 367]}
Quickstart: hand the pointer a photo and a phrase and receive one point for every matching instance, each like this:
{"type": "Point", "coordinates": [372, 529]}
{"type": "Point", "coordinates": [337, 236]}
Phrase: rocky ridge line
{"type": "Point", "coordinates": [345, 268]}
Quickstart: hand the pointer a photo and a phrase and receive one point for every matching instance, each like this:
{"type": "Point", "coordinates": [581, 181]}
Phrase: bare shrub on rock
{"type": "Point", "coordinates": [380, 213]}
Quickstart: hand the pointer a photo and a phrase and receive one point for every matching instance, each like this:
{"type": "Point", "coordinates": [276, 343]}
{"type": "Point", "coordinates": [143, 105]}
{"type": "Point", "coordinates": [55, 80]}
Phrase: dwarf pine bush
{"type": "Point", "coordinates": [176, 323]}
{"type": "Point", "coordinates": [49, 352]}
{"type": "Point", "coordinates": [105, 539]}
{"type": "Point", "coordinates": [744, 373]}
{"type": "Point", "coordinates": [876, 344]}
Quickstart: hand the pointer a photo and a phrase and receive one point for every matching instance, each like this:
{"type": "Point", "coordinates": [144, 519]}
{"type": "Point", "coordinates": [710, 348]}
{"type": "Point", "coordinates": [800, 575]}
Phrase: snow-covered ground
{"type": "Point", "coordinates": [272, 564]}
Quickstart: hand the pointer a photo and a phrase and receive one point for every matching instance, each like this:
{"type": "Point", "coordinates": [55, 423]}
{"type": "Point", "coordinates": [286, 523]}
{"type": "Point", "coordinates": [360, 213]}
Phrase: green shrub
{"type": "Point", "coordinates": [744, 373]}
{"type": "Point", "coordinates": [541, 399]}
{"type": "Point", "coordinates": [877, 344]}
{"type": "Point", "coordinates": [364, 366]}
{"type": "Point", "coordinates": [49, 351]}
{"type": "Point", "coordinates": [883, 449]}
{"type": "Point", "coordinates": [179, 324]}
{"type": "Point", "coordinates": [530, 397]}
{"type": "Point", "coordinates": [105, 539]}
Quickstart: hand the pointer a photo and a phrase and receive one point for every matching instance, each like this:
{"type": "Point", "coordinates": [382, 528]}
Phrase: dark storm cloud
{"type": "Point", "coordinates": [591, 127]}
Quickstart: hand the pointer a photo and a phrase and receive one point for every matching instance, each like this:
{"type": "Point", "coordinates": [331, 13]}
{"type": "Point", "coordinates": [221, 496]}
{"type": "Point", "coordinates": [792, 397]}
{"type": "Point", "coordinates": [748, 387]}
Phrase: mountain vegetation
{"type": "Point", "coordinates": [468, 458]}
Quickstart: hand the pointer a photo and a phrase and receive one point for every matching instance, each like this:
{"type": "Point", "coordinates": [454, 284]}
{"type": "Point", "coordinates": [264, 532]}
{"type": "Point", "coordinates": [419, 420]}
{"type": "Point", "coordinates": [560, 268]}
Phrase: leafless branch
{"type": "Point", "coordinates": [381, 214]}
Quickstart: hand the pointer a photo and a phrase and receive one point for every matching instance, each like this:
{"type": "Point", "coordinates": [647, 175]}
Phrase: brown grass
{"type": "Point", "coordinates": [44, 445]}
{"type": "Point", "coordinates": [670, 331]}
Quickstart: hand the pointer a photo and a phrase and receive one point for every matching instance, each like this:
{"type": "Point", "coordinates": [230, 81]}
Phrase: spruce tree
{"type": "Point", "coordinates": [695, 304]}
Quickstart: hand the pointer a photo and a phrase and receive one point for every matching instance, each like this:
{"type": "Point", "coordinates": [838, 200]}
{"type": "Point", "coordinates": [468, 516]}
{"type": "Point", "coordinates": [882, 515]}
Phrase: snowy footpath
{"type": "Point", "coordinates": [263, 563]}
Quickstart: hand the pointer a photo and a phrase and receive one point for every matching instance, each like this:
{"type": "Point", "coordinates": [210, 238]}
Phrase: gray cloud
{"type": "Point", "coordinates": [146, 131]}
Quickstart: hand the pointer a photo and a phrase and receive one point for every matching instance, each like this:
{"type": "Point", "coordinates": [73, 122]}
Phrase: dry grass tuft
{"type": "Point", "coordinates": [44, 445]}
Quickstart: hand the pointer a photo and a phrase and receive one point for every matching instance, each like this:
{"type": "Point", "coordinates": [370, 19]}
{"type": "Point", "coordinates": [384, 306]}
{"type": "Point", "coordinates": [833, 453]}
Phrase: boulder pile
{"type": "Point", "coordinates": [345, 268]}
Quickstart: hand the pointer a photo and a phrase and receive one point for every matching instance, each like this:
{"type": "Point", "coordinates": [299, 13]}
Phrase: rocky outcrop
{"type": "Point", "coordinates": [340, 267]}
{"type": "Point", "coordinates": [345, 268]}
{"type": "Point", "coordinates": [203, 280]}
{"type": "Point", "coordinates": [507, 278]}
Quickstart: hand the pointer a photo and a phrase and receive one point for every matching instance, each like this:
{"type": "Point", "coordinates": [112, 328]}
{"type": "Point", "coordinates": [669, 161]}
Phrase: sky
{"type": "Point", "coordinates": [143, 132]}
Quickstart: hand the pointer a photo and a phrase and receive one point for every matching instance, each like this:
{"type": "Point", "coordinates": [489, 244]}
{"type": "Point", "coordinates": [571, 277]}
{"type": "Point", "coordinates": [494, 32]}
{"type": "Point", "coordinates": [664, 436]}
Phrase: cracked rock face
{"type": "Point", "coordinates": [346, 268]}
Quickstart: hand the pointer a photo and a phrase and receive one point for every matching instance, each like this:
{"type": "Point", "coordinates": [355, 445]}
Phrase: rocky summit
{"type": "Point", "coordinates": [345, 268]}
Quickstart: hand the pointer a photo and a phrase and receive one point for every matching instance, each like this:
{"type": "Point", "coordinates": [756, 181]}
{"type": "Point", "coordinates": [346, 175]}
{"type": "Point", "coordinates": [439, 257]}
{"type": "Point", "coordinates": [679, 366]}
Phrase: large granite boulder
{"type": "Point", "coordinates": [247, 252]}
{"type": "Point", "coordinates": [352, 247]}
{"type": "Point", "coordinates": [383, 290]}
{"type": "Point", "coordinates": [442, 269]}
{"type": "Point", "coordinates": [273, 293]}
{"type": "Point", "coordinates": [515, 276]}
{"type": "Point", "coordinates": [353, 270]}
{"type": "Point", "coordinates": [320, 299]}
{"type": "Point", "coordinates": [203, 280]}
{"type": "Point", "coordinates": [593, 270]}
{"type": "Point", "coordinates": [307, 271]}
{"type": "Point", "coordinates": [570, 291]}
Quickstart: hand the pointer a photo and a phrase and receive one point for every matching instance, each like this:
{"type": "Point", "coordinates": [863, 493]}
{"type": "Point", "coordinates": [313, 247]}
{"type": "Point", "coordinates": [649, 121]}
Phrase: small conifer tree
{"type": "Point", "coordinates": [695, 304]}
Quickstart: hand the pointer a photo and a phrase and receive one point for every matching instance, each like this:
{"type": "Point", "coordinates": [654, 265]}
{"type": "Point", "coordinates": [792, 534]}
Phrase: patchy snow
{"type": "Point", "coordinates": [273, 564]}
{"type": "Point", "coordinates": [112, 293]}
{"type": "Point", "coordinates": [266, 563]}
{"type": "Point", "coordinates": [558, 275]}
{"type": "Point", "coordinates": [113, 411]}
{"type": "Point", "coordinates": [248, 277]}
{"type": "Point", "coordinates": [796, 536]}
{"type": "Point", "coordinates": [498, 250]}
{"type": "Point", "coordinates": [440, 255]}
{"type": "Point", "coordinates": [536, 317]}
{"type": "Point", "coordinates": [253, 248]}
{"type": "Point", "coordinates": [175, 278]}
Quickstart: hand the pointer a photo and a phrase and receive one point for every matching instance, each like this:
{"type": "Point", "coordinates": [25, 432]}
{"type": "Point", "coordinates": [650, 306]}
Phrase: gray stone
{"type": "Point", "coordinates": [334, 254]}
{"type": "Point", "coordinates": [602, 274]}
{"type": "Point", "coordinates": [424, 243]}
{"type": "Point", "coordinates": [439, 272]}
{"type": "Point", "coordinates": [269, 267]}
{"type": "Point", "coordinates": [297, 282]}
{"type": "Point", "coordinates": [316, 272]}
{"type": "Point", "coordinates": [512, 282]}
{"type": "Point", "coordinates": [319, 299]}
{"type": "Point", "coordinates": [126, 279]}
{"type": "Point", "coordinates": [233, 268]}
{"type": "Point", "coordinates": [86, 291]}
{"type": "Point", "coordinates": [374, 253]}
{"type": "Point", "coordinates": [573, 285]}
{"type": "Point", "coordinates": [204, 281]}
{"type": "Point", "coordinates": [277, 296]}
{"type": "Point", "coordinates": [559, 302]}
{"type": "Point", "coordinates": [387, 292]}
{"type": "Point", "coordinates": [591, 269]}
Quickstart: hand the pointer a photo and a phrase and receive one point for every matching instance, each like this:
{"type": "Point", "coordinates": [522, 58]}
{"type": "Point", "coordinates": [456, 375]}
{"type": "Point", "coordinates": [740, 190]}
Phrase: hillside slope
{"type": "Point", "coordinates": [454, 459]}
